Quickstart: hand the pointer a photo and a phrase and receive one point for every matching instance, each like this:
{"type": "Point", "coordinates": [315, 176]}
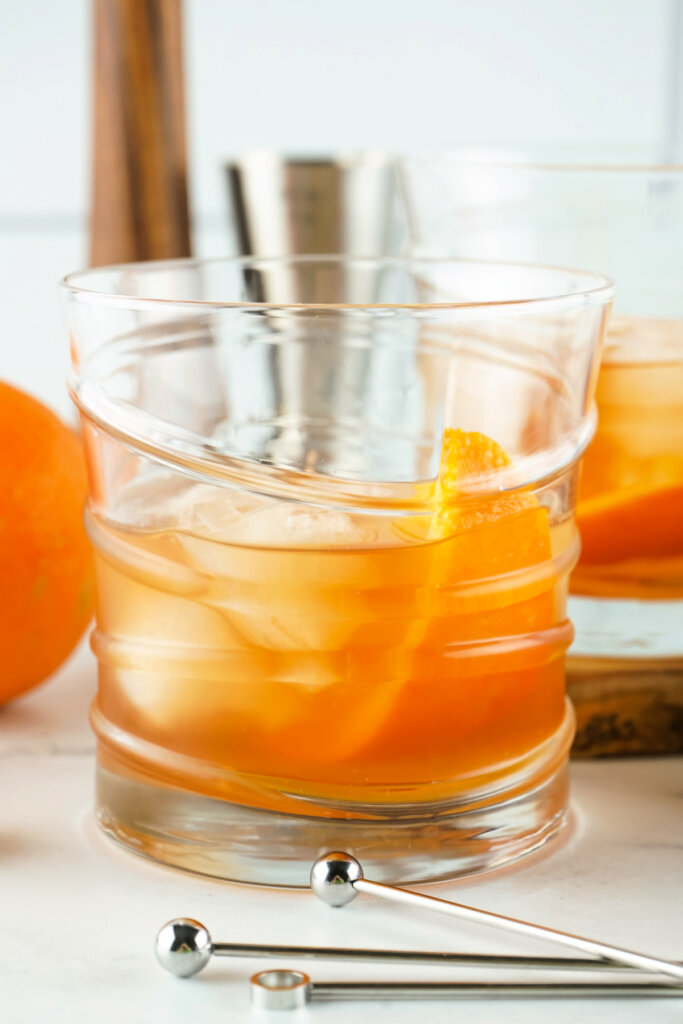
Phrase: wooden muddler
{"type": "Point", "coordinates": [140, 204]}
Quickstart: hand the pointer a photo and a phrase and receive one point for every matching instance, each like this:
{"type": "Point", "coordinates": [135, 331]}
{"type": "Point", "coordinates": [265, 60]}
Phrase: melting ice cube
{"type": "Point", "coordinates": [287, 525]}
{"type": "Point", "coordinates": [215, 512]}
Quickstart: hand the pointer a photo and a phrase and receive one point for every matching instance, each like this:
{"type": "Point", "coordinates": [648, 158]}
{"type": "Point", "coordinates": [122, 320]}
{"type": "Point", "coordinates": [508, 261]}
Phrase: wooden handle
{"type": "Point", "coordinates": [140, 206]}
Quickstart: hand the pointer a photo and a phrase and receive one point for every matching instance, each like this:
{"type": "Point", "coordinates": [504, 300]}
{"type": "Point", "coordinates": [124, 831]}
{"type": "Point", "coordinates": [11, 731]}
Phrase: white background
{"type": "Point", "coordinates": [307, 76]}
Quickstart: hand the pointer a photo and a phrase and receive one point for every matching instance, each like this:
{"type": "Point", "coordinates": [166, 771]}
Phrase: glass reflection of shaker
{"type": "Point", "coordinates": [337, 204]}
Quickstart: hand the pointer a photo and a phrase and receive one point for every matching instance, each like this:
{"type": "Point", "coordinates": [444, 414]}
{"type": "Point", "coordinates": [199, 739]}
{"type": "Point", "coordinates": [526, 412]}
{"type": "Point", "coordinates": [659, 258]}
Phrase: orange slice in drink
{"type": "Point", "coordinates": [482, 684]}
{"type": "Point", "coordinates": [503, 532]}
{"type": "Point", "coordinates": [632, 522]}
{"type": "Point", "coordinates": [482, 545]}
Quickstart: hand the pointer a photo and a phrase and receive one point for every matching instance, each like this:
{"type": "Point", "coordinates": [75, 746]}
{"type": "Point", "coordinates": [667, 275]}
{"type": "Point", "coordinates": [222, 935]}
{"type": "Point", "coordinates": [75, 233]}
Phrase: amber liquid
{"type": "Point", "coordinates": [630, 507]}
{"type": "Point", "coordinates": [339, 662]}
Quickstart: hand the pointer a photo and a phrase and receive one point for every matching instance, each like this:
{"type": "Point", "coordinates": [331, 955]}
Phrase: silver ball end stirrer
{"type": "Point", "coordinates": [183, 947]}
{"type": "Point", "coordinates": [337, 878]}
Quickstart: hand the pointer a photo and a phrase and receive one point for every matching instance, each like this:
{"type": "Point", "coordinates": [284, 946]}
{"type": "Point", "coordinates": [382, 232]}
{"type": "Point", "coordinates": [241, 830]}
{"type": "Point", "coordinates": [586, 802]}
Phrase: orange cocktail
{"type": "Point", "coordinates": [332, 545]}
{"type": "Point", "coordinates": [307, 652]}
{"type": "Point", "coordinates": [630, 505]}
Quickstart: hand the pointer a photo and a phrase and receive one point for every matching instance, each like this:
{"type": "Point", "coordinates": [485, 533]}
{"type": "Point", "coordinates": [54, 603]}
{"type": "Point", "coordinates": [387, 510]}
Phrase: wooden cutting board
{"type": "Point", "coordinates": [632, 706]}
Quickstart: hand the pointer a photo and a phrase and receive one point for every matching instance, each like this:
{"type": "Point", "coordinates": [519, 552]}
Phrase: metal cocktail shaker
{"type": "Point", "coordinates": [335, 204]}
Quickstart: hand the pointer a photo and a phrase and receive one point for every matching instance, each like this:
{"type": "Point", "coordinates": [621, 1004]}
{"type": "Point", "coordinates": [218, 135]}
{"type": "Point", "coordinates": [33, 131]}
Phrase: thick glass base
{"type": "Point", "coordinates": [488, 828]}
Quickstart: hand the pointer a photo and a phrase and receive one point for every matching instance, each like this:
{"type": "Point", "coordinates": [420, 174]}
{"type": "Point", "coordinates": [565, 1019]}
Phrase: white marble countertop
{"type": "Point", "coordinates": [80, 915]}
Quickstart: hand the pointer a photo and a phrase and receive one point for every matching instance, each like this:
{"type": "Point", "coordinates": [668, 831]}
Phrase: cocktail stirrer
{"type": "Point", "coordinates": [337, 878]}
{"type": "Point", "coordinates": [184, 947]}
{"type": "Point", "coordinates": [290, 990]}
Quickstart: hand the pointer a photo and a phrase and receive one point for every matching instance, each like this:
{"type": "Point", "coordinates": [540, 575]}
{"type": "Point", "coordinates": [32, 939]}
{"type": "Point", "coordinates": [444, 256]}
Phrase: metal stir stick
{"type": "Point", "coordinates": [337, 878]}
{"type": "Point", "coordinates": [289, 990]}
{"type": "Point", "coordinates": [184, 947]}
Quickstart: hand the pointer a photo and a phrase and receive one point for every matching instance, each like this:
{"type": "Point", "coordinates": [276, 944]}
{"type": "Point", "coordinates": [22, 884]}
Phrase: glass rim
{"type": "Point", "coordinates": [598, 288]}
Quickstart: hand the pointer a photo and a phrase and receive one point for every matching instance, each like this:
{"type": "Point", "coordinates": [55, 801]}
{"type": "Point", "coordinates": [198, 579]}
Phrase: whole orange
{"type": "Point", "coordinates": [46, 594]}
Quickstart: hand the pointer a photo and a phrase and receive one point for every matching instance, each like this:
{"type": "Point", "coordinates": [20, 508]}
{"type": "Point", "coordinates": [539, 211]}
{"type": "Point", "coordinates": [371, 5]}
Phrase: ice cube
{"type": "Point", "coordinates": [287, 578]}
{"type": "Point", "coordinates": [213, 512]}
{"type": "Point", "coordinates": [284, 574]}
{"type": "Point", "coordinates": [287, 525]}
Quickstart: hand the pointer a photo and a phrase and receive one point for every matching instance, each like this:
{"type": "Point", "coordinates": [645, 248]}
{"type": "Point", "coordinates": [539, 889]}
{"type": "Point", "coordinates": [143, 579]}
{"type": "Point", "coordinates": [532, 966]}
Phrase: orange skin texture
{"type": "Point", "coordinates": [46, 567]}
